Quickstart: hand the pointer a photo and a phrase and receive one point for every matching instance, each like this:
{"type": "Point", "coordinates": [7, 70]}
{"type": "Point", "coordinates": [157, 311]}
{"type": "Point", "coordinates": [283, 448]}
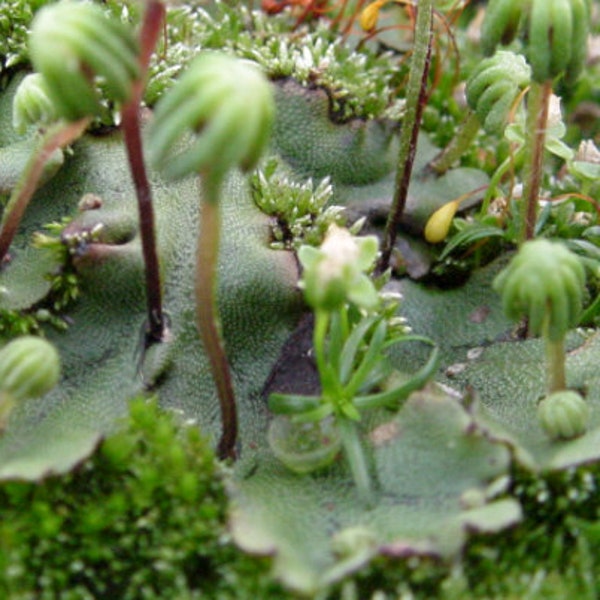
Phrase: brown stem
{"type": "Point", "coordinates": [151, 29]}
{"type": "Point", "coordinates": [537, 117]}
{"type": "Point", "coordinates": [207, 315]}
{"type": "Point", "coordinates": [415, 103]}
{"type": "Point", "coordinates": [149, 34]}
{"type": "Point", "coordinates": [60, 135]}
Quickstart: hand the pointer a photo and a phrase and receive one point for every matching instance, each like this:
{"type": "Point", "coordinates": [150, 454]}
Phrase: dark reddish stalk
{"type": "Point", "coordinates": [150, 32]}
{"type": "Point", "coordinates": [416, 101]}
{"type": "Point", "coordinates": [59, 136]}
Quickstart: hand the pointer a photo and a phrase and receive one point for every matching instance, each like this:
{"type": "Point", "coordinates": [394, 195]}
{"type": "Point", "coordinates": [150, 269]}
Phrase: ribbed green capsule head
{"type": "Point", "coordinates": [544, 282]}
{"type": "Point", "coordinates": [494, 86]}
{"type": "Point", "coordinates": [501, 23]}
{"type": "Point", "coordinates": [217, 116]}
{"type": "Point", "coordinates": [29, 367]}
{"type": "Point", "coordinates": [564, 415]}
{"type": "Point", "coordinates": [78, 48]}
{"type": "Point", "coordinates": [556, 38]}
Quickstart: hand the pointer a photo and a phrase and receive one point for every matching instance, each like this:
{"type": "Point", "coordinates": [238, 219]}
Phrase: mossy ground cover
{"type": "Point", "coordinates": [146, 517]}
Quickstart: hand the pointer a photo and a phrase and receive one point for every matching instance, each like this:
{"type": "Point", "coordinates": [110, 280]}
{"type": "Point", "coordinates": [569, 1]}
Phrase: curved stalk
{"type": "Point", "coordinates": [416, 96]}
{"type": "Point", "coordinates": [57, 137]}
{"type": "Point", "coordinates": [207, 312]}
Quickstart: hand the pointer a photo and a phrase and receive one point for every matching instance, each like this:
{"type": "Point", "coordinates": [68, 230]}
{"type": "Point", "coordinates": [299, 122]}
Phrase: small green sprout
{"type": "Point", "coordinates": [228, 107]}
{"type": "Point", "coordinates": [335, 273]}
{"type": "Point", "coordinates": [544, 283]}
{"type": "Point", "coordinates": [353, 328]}
{"type": "Point", "coordinates": [29, 368]}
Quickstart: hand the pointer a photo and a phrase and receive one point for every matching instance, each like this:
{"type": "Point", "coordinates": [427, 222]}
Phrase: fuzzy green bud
{"type": "Point", "coordinates": [545, 283]}
{"type": "Point", "coordinates": [32, 104]}
{"type": "Point", "coordinates": [335, 273]}
{"type": "Point", "coordinates": [77, 48]}
{"type": "Point", "coordinates": [564, 415]}
{"type": "Point", "coordinates": [226, 104]}
{"type": "Point", "coordinates": [494, 86]}
{"type": "Point", "coordinates": [29, 367]}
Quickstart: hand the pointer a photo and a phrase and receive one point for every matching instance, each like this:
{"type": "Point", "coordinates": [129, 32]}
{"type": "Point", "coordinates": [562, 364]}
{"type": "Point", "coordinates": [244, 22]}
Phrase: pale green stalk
{"type": "Point", "coordinates": [207, 312]}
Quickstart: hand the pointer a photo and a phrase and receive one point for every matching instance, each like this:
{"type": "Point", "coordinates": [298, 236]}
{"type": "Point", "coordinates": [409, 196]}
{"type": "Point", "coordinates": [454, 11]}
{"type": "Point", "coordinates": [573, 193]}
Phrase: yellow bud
{"type": "Point", "coordinates": [370, 14]}
{"type": "Point", "coordinates": [439, 222]}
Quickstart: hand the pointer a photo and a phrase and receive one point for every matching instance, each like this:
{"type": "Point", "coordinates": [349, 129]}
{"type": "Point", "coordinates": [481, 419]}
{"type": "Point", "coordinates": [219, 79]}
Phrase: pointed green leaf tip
{"type": "Point", "coordinates": [227, 104]}
{"type": "Point", "coordinates": [545, 283]}
{"type": "Point", "coordinates": [74, 43]}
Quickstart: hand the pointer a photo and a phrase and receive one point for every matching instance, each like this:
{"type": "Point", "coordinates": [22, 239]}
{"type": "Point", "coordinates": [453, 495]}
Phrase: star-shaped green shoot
{"type": "Point", "coordinates": [351, 333]}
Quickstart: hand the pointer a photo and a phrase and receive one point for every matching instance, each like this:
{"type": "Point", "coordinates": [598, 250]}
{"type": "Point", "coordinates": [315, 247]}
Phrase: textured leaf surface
{"type": "Point", "coordinates": [433, 468]}
{"type": "Point", "coordinates": [100, 351]}
{"type": "Point", "coordinates": [509, 379]}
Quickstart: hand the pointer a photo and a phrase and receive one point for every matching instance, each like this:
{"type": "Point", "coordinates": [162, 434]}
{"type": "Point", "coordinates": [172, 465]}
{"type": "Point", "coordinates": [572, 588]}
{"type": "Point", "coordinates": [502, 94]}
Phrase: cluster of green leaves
{"type": "Point", "coordinates": [144, 517]}
{"type": "Point", "coordinates": [63, 292]}
{"type": "Point", "coordinates": [300, 209]}
{"type": "Point", "coordinates": [14, 323]}
{"type": "Point", "coordinates": [64, 288]}
{"type": "Point", "coordinates": [15, 17]}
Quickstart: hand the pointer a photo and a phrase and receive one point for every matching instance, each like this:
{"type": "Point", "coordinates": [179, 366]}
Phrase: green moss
{"type": "Point", "coordinates": [142, 518]}
{"type": "Point", "coordinates": [300, 209]}
{"type": "Point", "coordinates": [15, 17]}
{"type": "Point", "coordinates": [359, 83]}
{"type": "Point", "coordinates": [145, 517]}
